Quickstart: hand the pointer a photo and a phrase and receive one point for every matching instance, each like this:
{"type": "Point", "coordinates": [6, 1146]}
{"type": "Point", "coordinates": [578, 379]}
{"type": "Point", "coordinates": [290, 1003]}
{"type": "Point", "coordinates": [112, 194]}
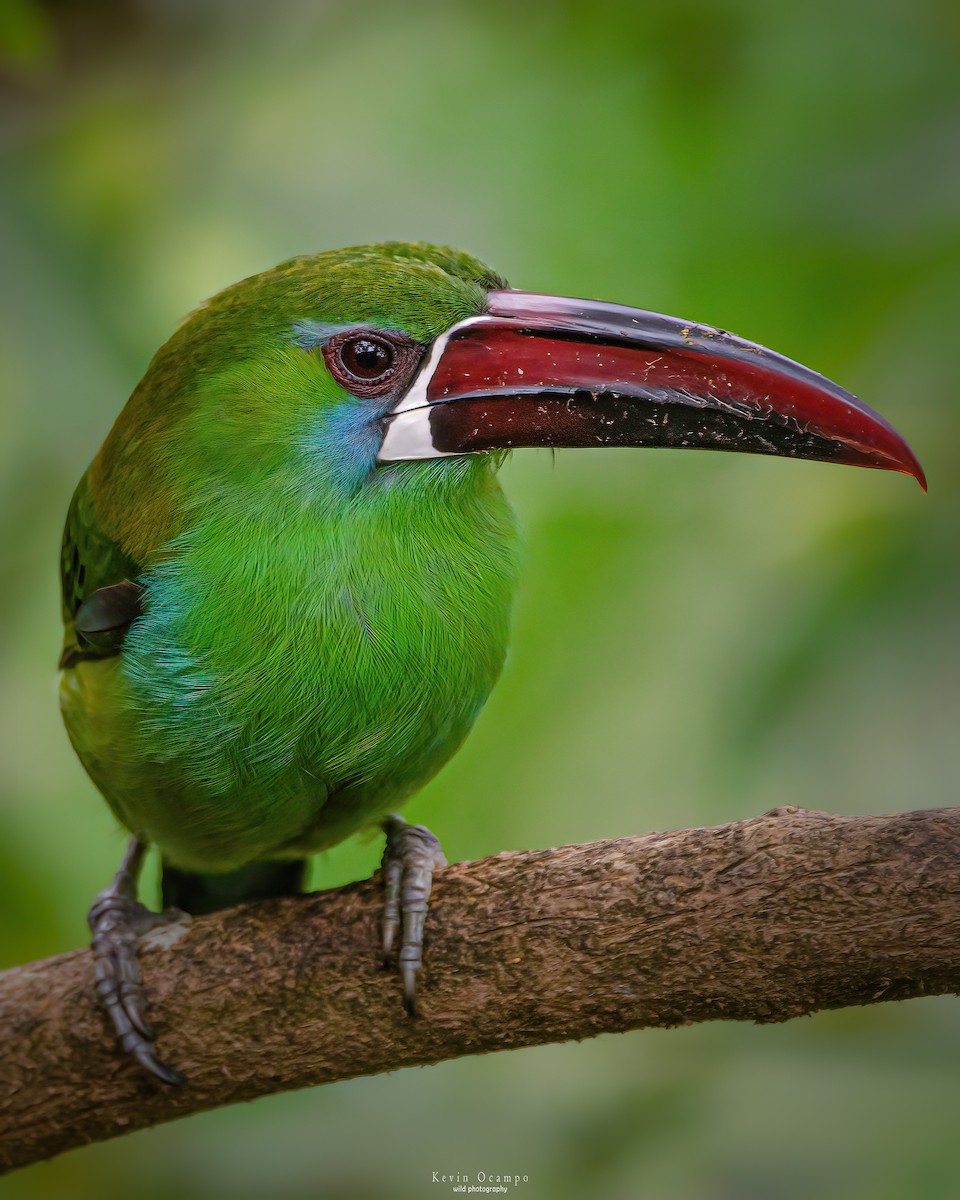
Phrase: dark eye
{"type": "Point", "coordinates": [366, 357]}
{"type": "Point", "coordinates": [371, 364]}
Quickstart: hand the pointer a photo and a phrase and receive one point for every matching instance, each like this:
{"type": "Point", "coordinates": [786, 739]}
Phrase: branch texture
{"type": "Point", "coordinates": [759, 920]}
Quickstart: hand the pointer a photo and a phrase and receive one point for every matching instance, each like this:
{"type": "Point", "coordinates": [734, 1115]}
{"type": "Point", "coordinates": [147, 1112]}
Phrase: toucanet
{"type": "Point", "coordinates": [288, 572]}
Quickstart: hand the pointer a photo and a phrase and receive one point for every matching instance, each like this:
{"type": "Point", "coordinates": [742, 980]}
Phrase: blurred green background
{"type": "Point", "coordinates": [699, 637]}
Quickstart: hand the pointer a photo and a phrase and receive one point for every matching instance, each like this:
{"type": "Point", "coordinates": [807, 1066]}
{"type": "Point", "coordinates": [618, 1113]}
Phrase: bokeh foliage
{"type": "Point", "coordinates": [698, 637]}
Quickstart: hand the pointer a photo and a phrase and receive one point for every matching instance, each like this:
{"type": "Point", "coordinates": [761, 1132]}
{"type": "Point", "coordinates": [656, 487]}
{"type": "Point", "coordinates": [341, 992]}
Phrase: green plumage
{"type": "Point", "coordinates": [318, 633]}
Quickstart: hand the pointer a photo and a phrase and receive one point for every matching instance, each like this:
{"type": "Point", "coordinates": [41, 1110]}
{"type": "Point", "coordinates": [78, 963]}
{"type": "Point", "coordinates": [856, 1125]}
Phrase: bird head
{"type": "Point", "coordinates": [366, 360]}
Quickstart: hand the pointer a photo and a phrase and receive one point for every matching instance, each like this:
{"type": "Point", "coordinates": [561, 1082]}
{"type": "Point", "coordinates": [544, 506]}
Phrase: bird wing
{"type": "Point", "coordinates": [100, 589]}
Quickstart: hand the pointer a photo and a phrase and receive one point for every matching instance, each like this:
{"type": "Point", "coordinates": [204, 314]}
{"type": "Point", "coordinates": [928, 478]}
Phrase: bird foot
{"type": "Point", "coordinates": [410, 857]}
{"type": "Point", "coordinates": [117, 922]}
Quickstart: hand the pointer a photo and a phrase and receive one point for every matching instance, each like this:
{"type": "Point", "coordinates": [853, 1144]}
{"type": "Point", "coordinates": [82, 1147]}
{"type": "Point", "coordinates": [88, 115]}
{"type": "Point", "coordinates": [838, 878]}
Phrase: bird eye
{"type": "Point", "coordinates": [366, 357]}
{"type": "Point", "coordinates": [371, 364]}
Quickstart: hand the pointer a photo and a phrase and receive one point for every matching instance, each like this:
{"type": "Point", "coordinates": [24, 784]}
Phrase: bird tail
{"type": "Point", "coordinates": [198, 894]}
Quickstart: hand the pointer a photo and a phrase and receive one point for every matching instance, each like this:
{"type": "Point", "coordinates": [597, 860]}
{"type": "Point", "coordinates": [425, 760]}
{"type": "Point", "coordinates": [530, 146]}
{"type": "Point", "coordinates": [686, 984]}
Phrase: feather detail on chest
{"type": "Point", "coordinates": [350, 642]}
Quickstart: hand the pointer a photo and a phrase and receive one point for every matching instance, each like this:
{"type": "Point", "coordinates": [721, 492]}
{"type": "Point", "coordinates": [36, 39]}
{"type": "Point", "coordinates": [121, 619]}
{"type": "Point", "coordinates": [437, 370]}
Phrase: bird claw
{"type": "Point", "coordinates": [117, 922]}
{"type": "Point", "coordinates": [411, 856]}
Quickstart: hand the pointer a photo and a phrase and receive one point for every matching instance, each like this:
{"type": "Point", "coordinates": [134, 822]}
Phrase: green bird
{"type": "Point", "coordinates": [288, 572]}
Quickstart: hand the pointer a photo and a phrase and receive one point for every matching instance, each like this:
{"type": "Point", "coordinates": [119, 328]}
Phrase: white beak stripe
{"type": "Point", "coordinates": [409, 436]}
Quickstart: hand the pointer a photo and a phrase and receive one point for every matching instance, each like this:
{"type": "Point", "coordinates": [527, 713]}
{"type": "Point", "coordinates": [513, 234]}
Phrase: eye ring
{"type": "Point", "coordinates": [370, 363]}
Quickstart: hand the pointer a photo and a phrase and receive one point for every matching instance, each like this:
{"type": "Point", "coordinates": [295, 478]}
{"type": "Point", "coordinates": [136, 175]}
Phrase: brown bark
{"type": "Point", "coordinates": [760, 920]}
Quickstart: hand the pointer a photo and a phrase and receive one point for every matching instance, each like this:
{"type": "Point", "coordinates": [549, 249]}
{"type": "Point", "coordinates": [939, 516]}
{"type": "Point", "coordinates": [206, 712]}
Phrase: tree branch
{"type": "Point", "coordinates": [760, 920]}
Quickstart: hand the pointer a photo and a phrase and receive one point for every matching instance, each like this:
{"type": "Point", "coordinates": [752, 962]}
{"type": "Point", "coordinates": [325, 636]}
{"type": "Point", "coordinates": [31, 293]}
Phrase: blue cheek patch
{"type": "Point", "coordinates": [344, 439]}
{"type": "Point", "coordinates": [343, 443]}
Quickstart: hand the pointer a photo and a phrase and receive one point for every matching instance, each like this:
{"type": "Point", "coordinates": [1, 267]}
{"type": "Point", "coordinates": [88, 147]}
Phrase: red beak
{"type": "Point", "coordinates": [540, 370]}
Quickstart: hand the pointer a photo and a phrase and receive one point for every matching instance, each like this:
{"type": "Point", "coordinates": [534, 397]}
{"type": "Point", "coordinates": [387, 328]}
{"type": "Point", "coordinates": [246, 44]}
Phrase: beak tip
{"type": "Point", "coordinates": [910, 465]}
